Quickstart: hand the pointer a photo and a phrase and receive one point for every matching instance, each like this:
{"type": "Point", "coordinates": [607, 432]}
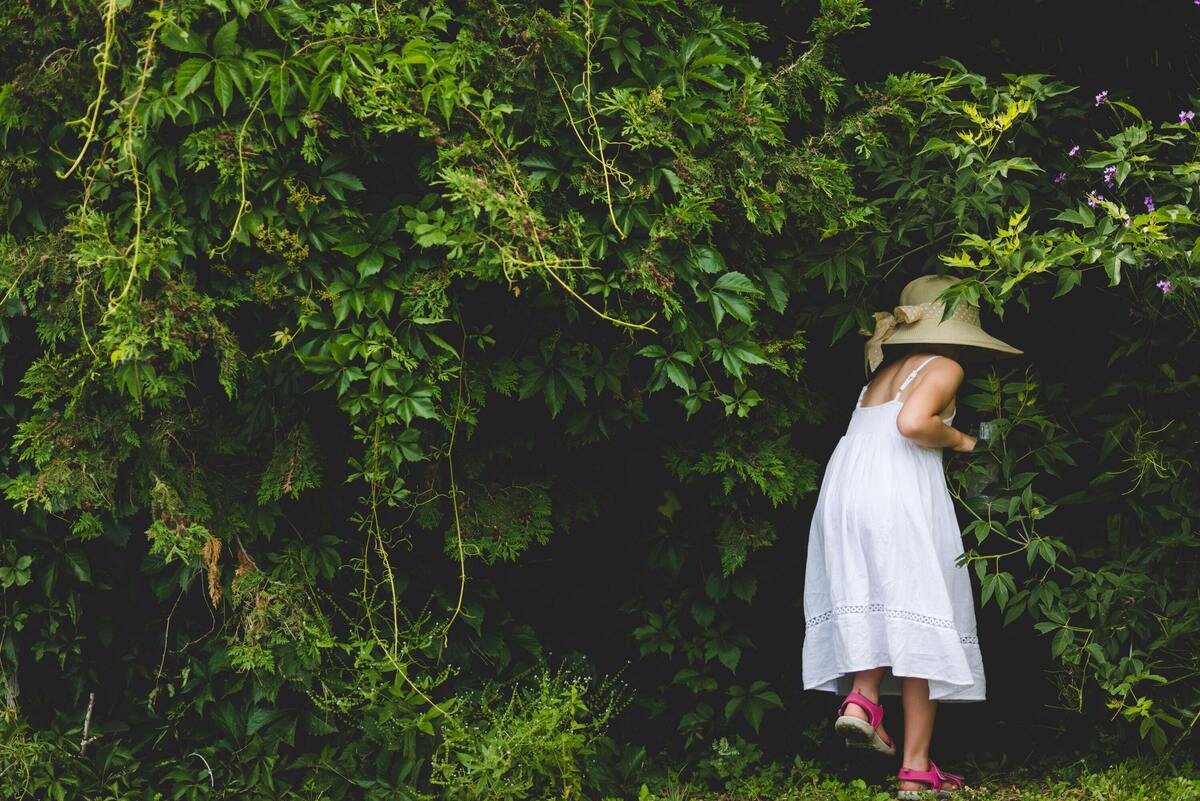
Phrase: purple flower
{"type": "Point", "coordinates": [1109, 172]}
{"type": "Point", "coordinates": [1094, 199]}
{"type": "Point", "coordinates": [1164, 285]}
{"type": "Point", "coordinates": [1058, 179]}
{"type": "Point", "coordinates": [1075, 148]}
{"type": "Point", "coordinates": [1102, 97]}
{"type": "Point", "coordinates": [1126, 221]}
{"type": "Point", "coordinates": [1187, 116]}
{"type": "Point", "coordinates": [1149, 201]}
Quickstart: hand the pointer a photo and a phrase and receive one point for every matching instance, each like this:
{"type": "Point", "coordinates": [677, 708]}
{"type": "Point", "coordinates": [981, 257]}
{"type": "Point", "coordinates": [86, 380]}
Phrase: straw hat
{"type": "Point", "coordinates": [918, 319]}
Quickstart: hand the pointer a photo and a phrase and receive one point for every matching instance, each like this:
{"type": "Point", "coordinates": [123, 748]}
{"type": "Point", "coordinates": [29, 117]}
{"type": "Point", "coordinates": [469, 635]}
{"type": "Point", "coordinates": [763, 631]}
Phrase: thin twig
{"type": "Point", "coordinates": [87, 724]}
{"type": "Point", "coordinates": [211, 782]}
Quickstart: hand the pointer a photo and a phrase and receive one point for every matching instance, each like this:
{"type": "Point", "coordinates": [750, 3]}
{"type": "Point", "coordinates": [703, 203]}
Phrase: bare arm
{"type": "Point", "coordinates": [919, 418]}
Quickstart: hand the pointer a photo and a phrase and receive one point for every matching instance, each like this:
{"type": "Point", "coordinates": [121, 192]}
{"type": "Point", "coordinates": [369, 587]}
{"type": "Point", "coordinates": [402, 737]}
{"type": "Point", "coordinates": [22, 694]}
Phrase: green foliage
{"type": "Point", "coordinates": [256, 253]}
{"type": "Point", "coordinates": [532, 741]}
{"type": "Point", "coordinates": [316, 316]}
{"type": "Point", "coordinates": [743, 774]}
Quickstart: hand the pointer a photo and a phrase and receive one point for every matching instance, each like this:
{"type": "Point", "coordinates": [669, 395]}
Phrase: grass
{"type": "Point", "coordinates": [1082, 780]}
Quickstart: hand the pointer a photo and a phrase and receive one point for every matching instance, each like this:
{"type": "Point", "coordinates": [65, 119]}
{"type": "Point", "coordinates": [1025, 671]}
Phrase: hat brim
{"type": "Point", "coordinates": [948, 332]}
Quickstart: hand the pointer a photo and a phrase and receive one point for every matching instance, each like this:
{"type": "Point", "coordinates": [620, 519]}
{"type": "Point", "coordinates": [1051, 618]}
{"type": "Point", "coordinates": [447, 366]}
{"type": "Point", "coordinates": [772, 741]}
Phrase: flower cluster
{"type": "Point", "coordinates": [1109, 173]}
{"type": "Point", "coordinates": [1094, 199]}
{"type": "Point", "coordinates": [1058, 179]}
{"type": "Point", "coordinates": [1073, 151]}
{"type": "Point", "coordinates": [1102, 97]}
{"type": "Point", "coordinates": [1165, 285]}
{"type": "Point", "coordinates": [1149, 201]}
{"type": "Point", "coordinates": [1186, 116]}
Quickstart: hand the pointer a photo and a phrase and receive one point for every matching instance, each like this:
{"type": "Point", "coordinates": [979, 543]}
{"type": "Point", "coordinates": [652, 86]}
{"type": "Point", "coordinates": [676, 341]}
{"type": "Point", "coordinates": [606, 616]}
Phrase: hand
{"type": "Point", "coordinates": [965, 444]}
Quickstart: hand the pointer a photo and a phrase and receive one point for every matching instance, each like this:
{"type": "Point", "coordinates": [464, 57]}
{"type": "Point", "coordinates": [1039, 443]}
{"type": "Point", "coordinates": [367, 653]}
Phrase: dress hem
{"type": "Point", "coordinates": [830, 684]}
{"type": "Point", "coordinates": [836, 649]}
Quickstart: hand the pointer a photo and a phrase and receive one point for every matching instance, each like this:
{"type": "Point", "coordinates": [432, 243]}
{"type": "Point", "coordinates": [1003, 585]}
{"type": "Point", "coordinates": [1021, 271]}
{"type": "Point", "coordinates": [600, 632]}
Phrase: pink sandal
{"type": "Point", "coordinates": [863, 733]}
{"type": "Point", "coordinates": [934, 777]}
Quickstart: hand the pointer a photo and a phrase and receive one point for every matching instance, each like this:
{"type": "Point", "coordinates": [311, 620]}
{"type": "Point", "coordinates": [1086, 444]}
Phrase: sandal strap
{"type": "Point", "coordinates": [874, 711]}
{"type": "Point", "coordinates": [934, 777]}
{"type": "Point", "coordinates": [954, 778]}
{"type": "Point", "coordinates": [921, 777]}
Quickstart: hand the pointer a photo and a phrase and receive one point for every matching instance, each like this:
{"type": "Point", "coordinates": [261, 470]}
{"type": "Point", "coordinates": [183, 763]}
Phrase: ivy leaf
{"type": "Point", "coordinates": [744, 585]}
{"type": "Point", "coordinates": [722, 302]}
{"type": "Point", "coordinates": [844, 326]}
{"type": "Point", "coordinates": [1062, 641]}
{"type": "Point", "coordinates": [555, 397]}
{"type": "Point", "coordinates": [258, 718]}
{"type": "Point", "coordinates": [225, 39]}
{"type": "Point", "coordinates": [410, 446]}
{"type": "Point", "coordinates": [413, 398]}
{"type": "Point", "coordinates": [986, 588]}
{"type": "Point", "coordinates": [574, 382]}
{"type": "Point", "coordinates": [371, 263]}
{"type": "Point", "coordinates": [181, 40]}
{"type": "Point", "coordinates": [706, 259]}
{"type": "Point", "coordinates": [223, 86]}
{"type": "Point", "coordinates": [718, 308]}
{"type": "Point", "coordinates": [1101, 160]}
{"type": "Point", "coordinates": [679, 376]}
{"type": "Point", "coordinates": [1131, 109]}
{"type": "Point", "coordinates": [1079, 216]}
{"type": "Point", "coordinates": [730, 655]}
{"type": "Point", "coordinates": [1112, 265]}
{"type": "Point", "coordinates": [1020, 163]}
{"type": "Point", "coordinates": [777, 292]}
{"type": "Point", "coordinates": [1068, 279]}
{"type": "Point", "coordinates": [190, 75]}
{"type": "Point", "coordinates": [672, 179]}
{"type": "Point", "coordinates": [335, 181]}
{"type": "Point", "coordinates": [754, 714]}
{"type": "Point", "coordinates": [279, 89]}
{"type": "Point", "coordinates": [1003, 586]}
{"type": "Point", "coordinates": [79, 565]}
{"type": "Point", "coordinates": [737, 282]}
{"type": "Point", "coordinates": [541, 169]}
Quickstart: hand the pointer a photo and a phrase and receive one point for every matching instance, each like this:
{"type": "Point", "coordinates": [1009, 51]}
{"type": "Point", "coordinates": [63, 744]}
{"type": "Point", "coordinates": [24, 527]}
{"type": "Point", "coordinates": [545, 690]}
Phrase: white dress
{"type": "Point", "coordinates": [881, 587]}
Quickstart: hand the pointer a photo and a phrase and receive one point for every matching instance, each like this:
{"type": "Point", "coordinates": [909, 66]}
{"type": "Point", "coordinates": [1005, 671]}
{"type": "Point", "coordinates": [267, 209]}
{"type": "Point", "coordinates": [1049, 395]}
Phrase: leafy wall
{"type": "Point", "coordinates": [361, 360]}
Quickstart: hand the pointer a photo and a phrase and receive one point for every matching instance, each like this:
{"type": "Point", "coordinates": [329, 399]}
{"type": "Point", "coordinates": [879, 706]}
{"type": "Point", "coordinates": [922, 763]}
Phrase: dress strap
{"type": "Point", "coordinates": [860, 396]}
{"type": "Point", "coordinates": [912, 375]}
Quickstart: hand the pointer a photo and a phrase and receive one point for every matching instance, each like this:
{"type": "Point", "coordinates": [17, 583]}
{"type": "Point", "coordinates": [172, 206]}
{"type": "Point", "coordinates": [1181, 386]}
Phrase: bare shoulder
{"type": "Point", "coordinates": [943, 372]}
{"type": "Point", "coordinates": [947, 367]}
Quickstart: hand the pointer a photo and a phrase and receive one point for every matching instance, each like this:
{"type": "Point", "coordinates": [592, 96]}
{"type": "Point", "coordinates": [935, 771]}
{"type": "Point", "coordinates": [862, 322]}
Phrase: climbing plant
{"type": "Point", "coordinates": [321, 321]}
{"type": "Point", "coordinates": [260, 252]}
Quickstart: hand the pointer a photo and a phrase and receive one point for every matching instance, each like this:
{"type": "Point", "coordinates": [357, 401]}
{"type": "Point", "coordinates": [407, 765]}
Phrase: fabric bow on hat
{"type": "Point", "coordinates": [885, 326]}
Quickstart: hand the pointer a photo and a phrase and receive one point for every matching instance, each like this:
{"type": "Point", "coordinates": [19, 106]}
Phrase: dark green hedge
{"type": "Point", "coordinates": [379, 380]}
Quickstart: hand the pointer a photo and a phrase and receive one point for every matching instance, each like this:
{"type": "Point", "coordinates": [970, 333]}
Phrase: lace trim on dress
{"type": "Point", "coordinates": [899, 614]}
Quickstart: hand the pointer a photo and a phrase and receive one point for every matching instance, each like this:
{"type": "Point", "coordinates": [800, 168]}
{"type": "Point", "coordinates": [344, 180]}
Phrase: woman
{"type": "Point", "coordinates": [888, 611]}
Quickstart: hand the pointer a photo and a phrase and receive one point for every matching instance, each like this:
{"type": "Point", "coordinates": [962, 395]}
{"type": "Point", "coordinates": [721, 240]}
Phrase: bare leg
{"type": "Point", "coordinates": [919, 712]}
{"type": "Point", "coordinates": [867, 683]}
